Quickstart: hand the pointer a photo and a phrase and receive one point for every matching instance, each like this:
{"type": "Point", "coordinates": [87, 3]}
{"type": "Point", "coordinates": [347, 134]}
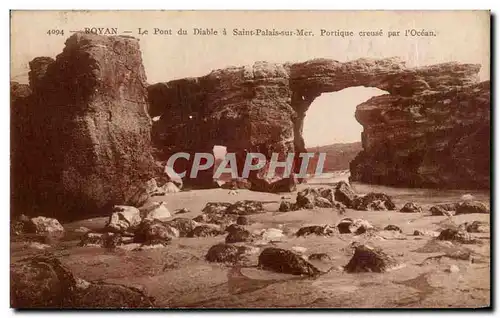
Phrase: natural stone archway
{"type": "Point", "coordinates": [414, 136]}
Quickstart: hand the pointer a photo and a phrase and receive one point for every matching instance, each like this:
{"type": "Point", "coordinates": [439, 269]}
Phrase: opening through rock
{"type": "Point", "coordinates": [330, 126]}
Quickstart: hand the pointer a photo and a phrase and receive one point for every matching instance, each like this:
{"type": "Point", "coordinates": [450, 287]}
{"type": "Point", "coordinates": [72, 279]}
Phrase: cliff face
{"type": "Point", "coordinates": [85, 130]}
{"type": "Point", "coordinates": [430, 117]}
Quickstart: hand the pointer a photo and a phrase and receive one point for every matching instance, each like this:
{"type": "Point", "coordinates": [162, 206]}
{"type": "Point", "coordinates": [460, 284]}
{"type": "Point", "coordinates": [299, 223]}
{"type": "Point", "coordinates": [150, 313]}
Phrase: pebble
{"type": "Point", "coordinates": [453, 269]}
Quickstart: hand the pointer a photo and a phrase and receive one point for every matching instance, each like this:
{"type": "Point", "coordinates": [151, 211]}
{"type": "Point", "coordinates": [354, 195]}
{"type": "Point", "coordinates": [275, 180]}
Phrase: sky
{"type": "Point", "coordinates": [462, 36]}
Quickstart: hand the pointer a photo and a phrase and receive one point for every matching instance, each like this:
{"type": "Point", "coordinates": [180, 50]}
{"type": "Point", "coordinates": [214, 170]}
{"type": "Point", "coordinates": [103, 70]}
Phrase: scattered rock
{"type": "Point", "coordinates": [272, 235]}
{"type": "Point", "coordinates": [369, 259]}
{"type": "Point", "coordinates": [425, 233]}
{"type": "Point", "coordinates": [82, 229]}
{"type": "Point", "coordinates": [393, 228]}
{"type": "Point", "coordinates": [41, 282]}
{"type": "Point", "coordinates": [373, 201]}
{"type": "Point", "coordinates": [286, 206]}
{"type": "Point", "coordinates": [242, 220]}
{"type": "Point", "coordinates": [357, 226]}
{"type": "Point", "coordinates": [320, 257]}
{"type": "Point", "coordinates": [456, 235]}
{"type": "Point", "coordinates": [183, 225]}
{"type": "Point", "coordinates": [216, 207]}
{"type": "Point", "coordinates": [324, 230]}
{"type": "Point", "coordinates": [299, 249]}
{"type": "Point", "coordinates": [170, 187]}
{"type": "Point", "coordinates": [285, 261]}
{"type": "Point", "coordinates": [322, 202]}
{"type": "Point", "coordinates": [467, 197]}
{"type": "Point", "coordinates": [227, 253]}
{"type": "Point", "coordinates": [38, 246]}
{"type": "Point", "coordinates": [411, 207]}
{"type": "Point", "coordinates": [344, 193]}
{"type": "Point", "coordinates": [245, 207]}
{"type": "Point", "coordinates": [182, 211]}
{"type": "Point", "coordinates": [475, 227]}
{"type": "Point", "coordinates": [106, 240]}
{"type": "Point", "coordinates": [160, 211]}
{"type": "Point", "coordinates": [235, 184]}
{"type": "Point", "coordinates": [42, 225]}
{"type": "Point", "coordinates": [237, 234]}
{"type": "Point", "coordinates": [219, 219]}
{"type": "Point", "coordinates": [111, 296]}
{"type": "Point", "coordinates": [173, 177]}
{"type": "Point", "coordinates": [205, 231]}
{"type": "Point", "coordinates": [467, 207]}
{"type": "Point", "coordinates": [123, 218]}
{"type": "Point", "coordinates": [447, 209]}
{"type": "Point", "coordinates": [153, 231]}
{"type": "Point", "coordinates": [453, 269]}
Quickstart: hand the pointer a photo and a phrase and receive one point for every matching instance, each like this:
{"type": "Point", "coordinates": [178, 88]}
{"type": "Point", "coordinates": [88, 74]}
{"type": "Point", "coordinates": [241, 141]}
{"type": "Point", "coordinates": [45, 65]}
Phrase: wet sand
{"type": "Point", "coordinates": [178, 275]}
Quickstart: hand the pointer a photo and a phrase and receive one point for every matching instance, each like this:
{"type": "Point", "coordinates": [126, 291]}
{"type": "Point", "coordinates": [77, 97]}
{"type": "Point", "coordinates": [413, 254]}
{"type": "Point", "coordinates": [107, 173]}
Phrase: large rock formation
{"type": "Point", "coordinates": [81, 140]}
{"type": "Point", "coordinates": [433, 122]}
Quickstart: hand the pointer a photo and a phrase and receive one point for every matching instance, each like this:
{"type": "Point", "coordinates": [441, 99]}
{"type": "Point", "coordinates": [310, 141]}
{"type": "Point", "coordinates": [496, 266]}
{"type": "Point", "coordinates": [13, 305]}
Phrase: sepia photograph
{"type": "Point", "coordinates": [250, 159]}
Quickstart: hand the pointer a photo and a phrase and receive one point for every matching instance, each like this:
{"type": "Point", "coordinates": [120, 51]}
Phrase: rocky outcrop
{"type": "Point", "coordinates": [433, 119]}
{"type": "Point", "coordinates": [85, 142]}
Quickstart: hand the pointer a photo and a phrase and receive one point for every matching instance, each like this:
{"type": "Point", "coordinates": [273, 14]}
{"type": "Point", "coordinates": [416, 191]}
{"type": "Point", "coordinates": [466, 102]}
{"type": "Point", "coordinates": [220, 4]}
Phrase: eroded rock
{"type": "Point", "coordinates": [324, 230]}
{"type": "Point", "coordinates": [285, 261]}
{"type": "Point", "coordinates": [205, 230]}
{"type": "Point", "coordinates": [456, 235]}
{"type": "Point", "coordinates": [42, 225]}
{"type": "Point", "coordinates": [356, 226]}
{"type": "Point", "coordinates": [370, 259]}
{"type": "Point", "coordinates": [123, 218]}
{"type": "Point", "coordinates": [411, 207]}
{"type": "Point", "coordinates": [475, 227]}
{"type": "Point", "coordinates": [153, 231]}
{"type": "Point", "coordinates": [245, 207]}
{"type": "Point", "coordinates": [373, 202]}
{"type": "Point", "coordinates": [227, 253]}
{"type": "Point", "coordinates": [467, 207]}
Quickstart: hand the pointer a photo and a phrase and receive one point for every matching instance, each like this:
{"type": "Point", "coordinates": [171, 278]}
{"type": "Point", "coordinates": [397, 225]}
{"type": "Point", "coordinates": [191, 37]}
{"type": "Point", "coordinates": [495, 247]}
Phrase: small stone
{"type": "Point", "coordinates": [454, 269]}
{"type": "Point", "coordinates": [411, 207]}
{"type": "Point", "coordinates": [393, 228]}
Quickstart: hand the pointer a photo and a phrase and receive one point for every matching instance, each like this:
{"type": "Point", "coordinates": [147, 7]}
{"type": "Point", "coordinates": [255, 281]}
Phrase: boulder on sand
{"type": "Point", "coordinates": [343, 193]}
{"type": "Point", "coordinates": [41, 224]}
{"type": "Point", "coordinates": [106, 240]}
{"type": "Point", "coordinates": [411, 207]}
{"type": "Point", "coordinates": [457, 235]}
{"type": "Point", "coordinates": [205, 230]}
{"type": "Point", "coordinates": [324, 230]}
{"type": "Point", "coordinates": [475, 227]}
{"type": "Point", "coordinates": [370, 259]}
{"type": "Point", "coordinates": [238, 233]}
{"type": "Point", "coordinates": [170, 187]}
{"type": "Point", "coordinates": [123, 218]}
{"type": "Point", "coordinates": [447, 209]}
{"type": "Point", "coordinates": [392, 227]}
{"type": "Point", "coordinates": [285, 261]}
{"type": "Point", "coordinates": [157, 210]}
{"type": "Point", "coordinates": [153, 231]}
{"type": "Point", "coordinates": [245, 207]}
{"type": "Point", "coordinates": [467, 207]}
{"type": "Point", "coordinates": [373, 202]}
{"type": "Point", "coordinates": [356, 226]}
{"type": "Point", "coordinates": [227, 253]}
{"type": "Point", "coordinates": [183, 225]}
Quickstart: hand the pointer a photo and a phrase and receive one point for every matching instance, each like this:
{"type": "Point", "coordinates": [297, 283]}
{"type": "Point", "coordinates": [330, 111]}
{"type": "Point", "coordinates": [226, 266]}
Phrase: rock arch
{"type": "Point", "coordinates": [406, 137]}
